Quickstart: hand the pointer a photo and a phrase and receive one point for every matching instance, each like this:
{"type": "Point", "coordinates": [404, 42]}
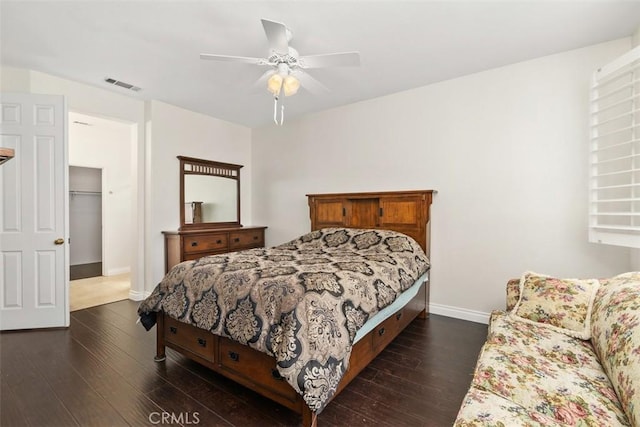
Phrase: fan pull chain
{"type": "Point", "coordinates": [275, 111]}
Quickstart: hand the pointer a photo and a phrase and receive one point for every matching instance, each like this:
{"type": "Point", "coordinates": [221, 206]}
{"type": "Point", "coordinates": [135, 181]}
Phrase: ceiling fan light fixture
{"type": "Point", "coordinates": [274, 84]}
{"type": "Point", "coordinates": [285, 61]}
{"type": "Point", "coordinates": [290, 84]}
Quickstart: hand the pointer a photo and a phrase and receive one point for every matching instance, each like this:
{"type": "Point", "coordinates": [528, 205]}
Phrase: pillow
{"type": "Point", "coordinates": [561, 304]}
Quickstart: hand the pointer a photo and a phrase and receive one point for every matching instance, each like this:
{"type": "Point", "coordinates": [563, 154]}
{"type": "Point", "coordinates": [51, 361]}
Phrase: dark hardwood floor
{"type": "Point", "coordinates": [101, 372]}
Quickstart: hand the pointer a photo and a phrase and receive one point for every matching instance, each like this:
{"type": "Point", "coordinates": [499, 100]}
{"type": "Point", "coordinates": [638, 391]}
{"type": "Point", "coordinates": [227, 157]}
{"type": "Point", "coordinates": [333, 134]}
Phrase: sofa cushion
{"type": "Point", "coordinates": [615, 328]}
{"type": "Point", "coordinates": [514, 333]}
{"type": "Point", "coordinates": [483, 408]}
{"type": "Point", "coordinates": [561, 304]}
{"type": "Point", "coordinates": [541, 377]}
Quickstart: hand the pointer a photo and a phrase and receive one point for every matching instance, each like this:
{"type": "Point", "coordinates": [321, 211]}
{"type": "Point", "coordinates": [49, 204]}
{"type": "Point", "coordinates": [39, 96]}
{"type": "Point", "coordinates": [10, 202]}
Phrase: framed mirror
{"type": "Point", "coordinates": [209, 194]}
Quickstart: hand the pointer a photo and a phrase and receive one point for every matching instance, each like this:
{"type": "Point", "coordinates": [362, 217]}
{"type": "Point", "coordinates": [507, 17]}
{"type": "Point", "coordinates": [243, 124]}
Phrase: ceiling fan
{"type": "Point", "coordinates": [286, 73]}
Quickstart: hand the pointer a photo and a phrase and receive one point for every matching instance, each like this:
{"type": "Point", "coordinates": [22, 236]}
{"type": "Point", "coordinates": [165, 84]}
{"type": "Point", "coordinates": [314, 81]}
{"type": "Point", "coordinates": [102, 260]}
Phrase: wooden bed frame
{"type": "Point", "coordinates": [406, 212]}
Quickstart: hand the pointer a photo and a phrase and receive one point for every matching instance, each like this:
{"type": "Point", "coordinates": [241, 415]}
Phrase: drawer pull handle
{"type": "Point", "coordinates": [218, 241]}
{"type": "Point", "coordinates": [398, 316]}
{"type": "Point", "coordinates": [255, 237]}
{"type": "Point", "coordinates": [194, 243]}
{"type": "Point", "coordinates": [173, 329]}
{"type": "Point", "coordinates": [234, 356]}
{"type": "Point", "coordinates": [237, 239]}
{"type": "Point", "coordinates": [276, 375]}
{"type": "Point", "coordinates": [381, 331]}
{"type": "Point", "coordinates": [202, 342]}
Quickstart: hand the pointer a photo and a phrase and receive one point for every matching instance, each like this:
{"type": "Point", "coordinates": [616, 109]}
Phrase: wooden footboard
{"type": "Point", "coordinates": [257, 370]}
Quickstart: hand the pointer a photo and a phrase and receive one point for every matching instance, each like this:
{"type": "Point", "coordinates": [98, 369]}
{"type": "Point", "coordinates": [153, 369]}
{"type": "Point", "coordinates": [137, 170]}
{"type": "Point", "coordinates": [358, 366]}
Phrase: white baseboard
{"type": "Point", "coordinates": [116, 271]}
{"type": "Point", "coordinates": [459, 313]}
{"type": "Point", "coordinates": [137, 295]}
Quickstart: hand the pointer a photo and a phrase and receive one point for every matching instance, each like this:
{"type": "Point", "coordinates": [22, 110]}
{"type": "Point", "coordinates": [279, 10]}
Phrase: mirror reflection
{"type": "Point", "coordinates": [209, 194]}
{"type": "Point", "coordinates": [209, 199]}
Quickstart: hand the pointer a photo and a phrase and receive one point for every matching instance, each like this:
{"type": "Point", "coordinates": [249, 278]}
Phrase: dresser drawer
{"type": "Point", "coordinates": [205, 242]}
{"type": "Point", "coordinates": [246, 239]}
{"type": "Point", "coordinates": [188, 337]}
{"type": "Point", "coordinates": [189, 245]}
{"type": "Point", "coordinates": [252, 365]}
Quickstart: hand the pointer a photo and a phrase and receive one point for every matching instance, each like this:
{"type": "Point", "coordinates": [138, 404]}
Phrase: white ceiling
{"type": "Point", "coordinates": [156, 44]}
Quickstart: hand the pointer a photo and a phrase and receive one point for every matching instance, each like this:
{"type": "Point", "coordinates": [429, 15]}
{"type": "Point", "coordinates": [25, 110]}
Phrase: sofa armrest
{"type": "Point", "coordinates": [513, 293]}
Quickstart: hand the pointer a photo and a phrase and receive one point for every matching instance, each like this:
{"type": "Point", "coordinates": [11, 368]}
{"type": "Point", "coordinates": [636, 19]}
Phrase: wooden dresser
{"type": "Point", "coordinates": [193, 244]}
{"type": "Point", "coordinates": [403, 211]}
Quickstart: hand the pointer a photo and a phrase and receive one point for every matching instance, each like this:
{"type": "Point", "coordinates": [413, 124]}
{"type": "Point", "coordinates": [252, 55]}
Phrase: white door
{"type": "Point", "coordinates": [34, 260]}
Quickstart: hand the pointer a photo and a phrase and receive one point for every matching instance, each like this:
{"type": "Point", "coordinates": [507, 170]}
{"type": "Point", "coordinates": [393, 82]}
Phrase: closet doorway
{"type": "Point", "coordinates": [85, 222]}
{"type": "Point", "coordinates": [101, 172]}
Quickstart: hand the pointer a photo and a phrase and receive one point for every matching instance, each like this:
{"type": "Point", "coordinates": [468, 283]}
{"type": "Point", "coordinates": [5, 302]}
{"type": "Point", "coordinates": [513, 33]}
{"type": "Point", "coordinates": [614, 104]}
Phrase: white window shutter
{"type": "Point", "coordinates": [614, 199]}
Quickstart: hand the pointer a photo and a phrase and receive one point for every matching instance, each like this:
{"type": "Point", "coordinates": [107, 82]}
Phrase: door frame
{"type": "Point", "coordinates": [137, 158]}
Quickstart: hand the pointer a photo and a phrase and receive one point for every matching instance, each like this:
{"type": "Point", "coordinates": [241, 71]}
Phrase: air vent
{"type": "Point", "coordinates": [121, 84]}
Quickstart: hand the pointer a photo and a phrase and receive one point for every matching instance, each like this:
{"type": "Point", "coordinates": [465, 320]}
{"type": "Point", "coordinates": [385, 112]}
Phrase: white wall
{"type": "Point", "coordinates": [99, 102]}
{"type": "Point", "coordinates": [176, 132]}
{"type": "Point", "coordinates": [634, 259]}
{"type": "Point", "coordinates": [506, 149]}
{"type": "Point", "coordinates": [634, 255]}
{"type": "Point", "coordinates": [106, 145]}
{"type": "Point", "coordinates": [15, 79]}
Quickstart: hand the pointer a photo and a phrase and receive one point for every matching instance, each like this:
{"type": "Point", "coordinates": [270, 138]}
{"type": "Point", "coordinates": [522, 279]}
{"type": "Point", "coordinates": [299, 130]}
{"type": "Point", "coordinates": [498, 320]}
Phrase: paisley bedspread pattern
{"type": "Point", "coordinates": [301, 302]}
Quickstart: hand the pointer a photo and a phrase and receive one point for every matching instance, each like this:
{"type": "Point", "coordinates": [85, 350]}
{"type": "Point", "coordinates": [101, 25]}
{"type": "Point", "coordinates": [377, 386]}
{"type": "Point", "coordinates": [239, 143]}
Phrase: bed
{"type": "Point", "coordinates": [298, 321]}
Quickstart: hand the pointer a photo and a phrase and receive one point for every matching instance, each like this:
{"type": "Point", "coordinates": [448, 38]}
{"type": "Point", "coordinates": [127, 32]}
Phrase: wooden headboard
{"type": "Point", "coordinates": [403, 211]}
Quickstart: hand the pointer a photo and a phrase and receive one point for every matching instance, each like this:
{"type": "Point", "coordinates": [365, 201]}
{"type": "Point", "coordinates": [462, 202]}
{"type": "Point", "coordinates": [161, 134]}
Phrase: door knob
{"type": "Point", "coordinates": [59, 241]}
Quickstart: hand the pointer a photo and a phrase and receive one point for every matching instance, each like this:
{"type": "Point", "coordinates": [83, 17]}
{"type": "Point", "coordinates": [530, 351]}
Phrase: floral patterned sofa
{"type": "Point", "coordinates": [566, 352]}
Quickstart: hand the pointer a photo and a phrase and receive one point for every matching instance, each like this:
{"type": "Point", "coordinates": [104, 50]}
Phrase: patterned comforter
{"type": "Point", "coordinates": [301, 302]}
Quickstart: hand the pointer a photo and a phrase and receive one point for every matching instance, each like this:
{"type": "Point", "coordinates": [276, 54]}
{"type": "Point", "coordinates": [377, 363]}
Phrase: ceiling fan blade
{"type": "Point", "coordinates": [277, 36]}
{"type": "Point", "coordinates": [310, 84]}
{"type": "Point", "coordinates": [227, 58]}
{"type": "Point", "coordinates": [344, 59]}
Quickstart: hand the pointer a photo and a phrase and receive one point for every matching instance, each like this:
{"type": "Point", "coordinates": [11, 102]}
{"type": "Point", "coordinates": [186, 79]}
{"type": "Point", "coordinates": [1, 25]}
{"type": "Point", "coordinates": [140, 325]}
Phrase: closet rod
{"type": "Point", "coordinates": [92, 193]}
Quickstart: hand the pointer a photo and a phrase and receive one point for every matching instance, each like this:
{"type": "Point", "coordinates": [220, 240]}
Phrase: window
{"type": "Point", "coordinates": [614, 201]}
